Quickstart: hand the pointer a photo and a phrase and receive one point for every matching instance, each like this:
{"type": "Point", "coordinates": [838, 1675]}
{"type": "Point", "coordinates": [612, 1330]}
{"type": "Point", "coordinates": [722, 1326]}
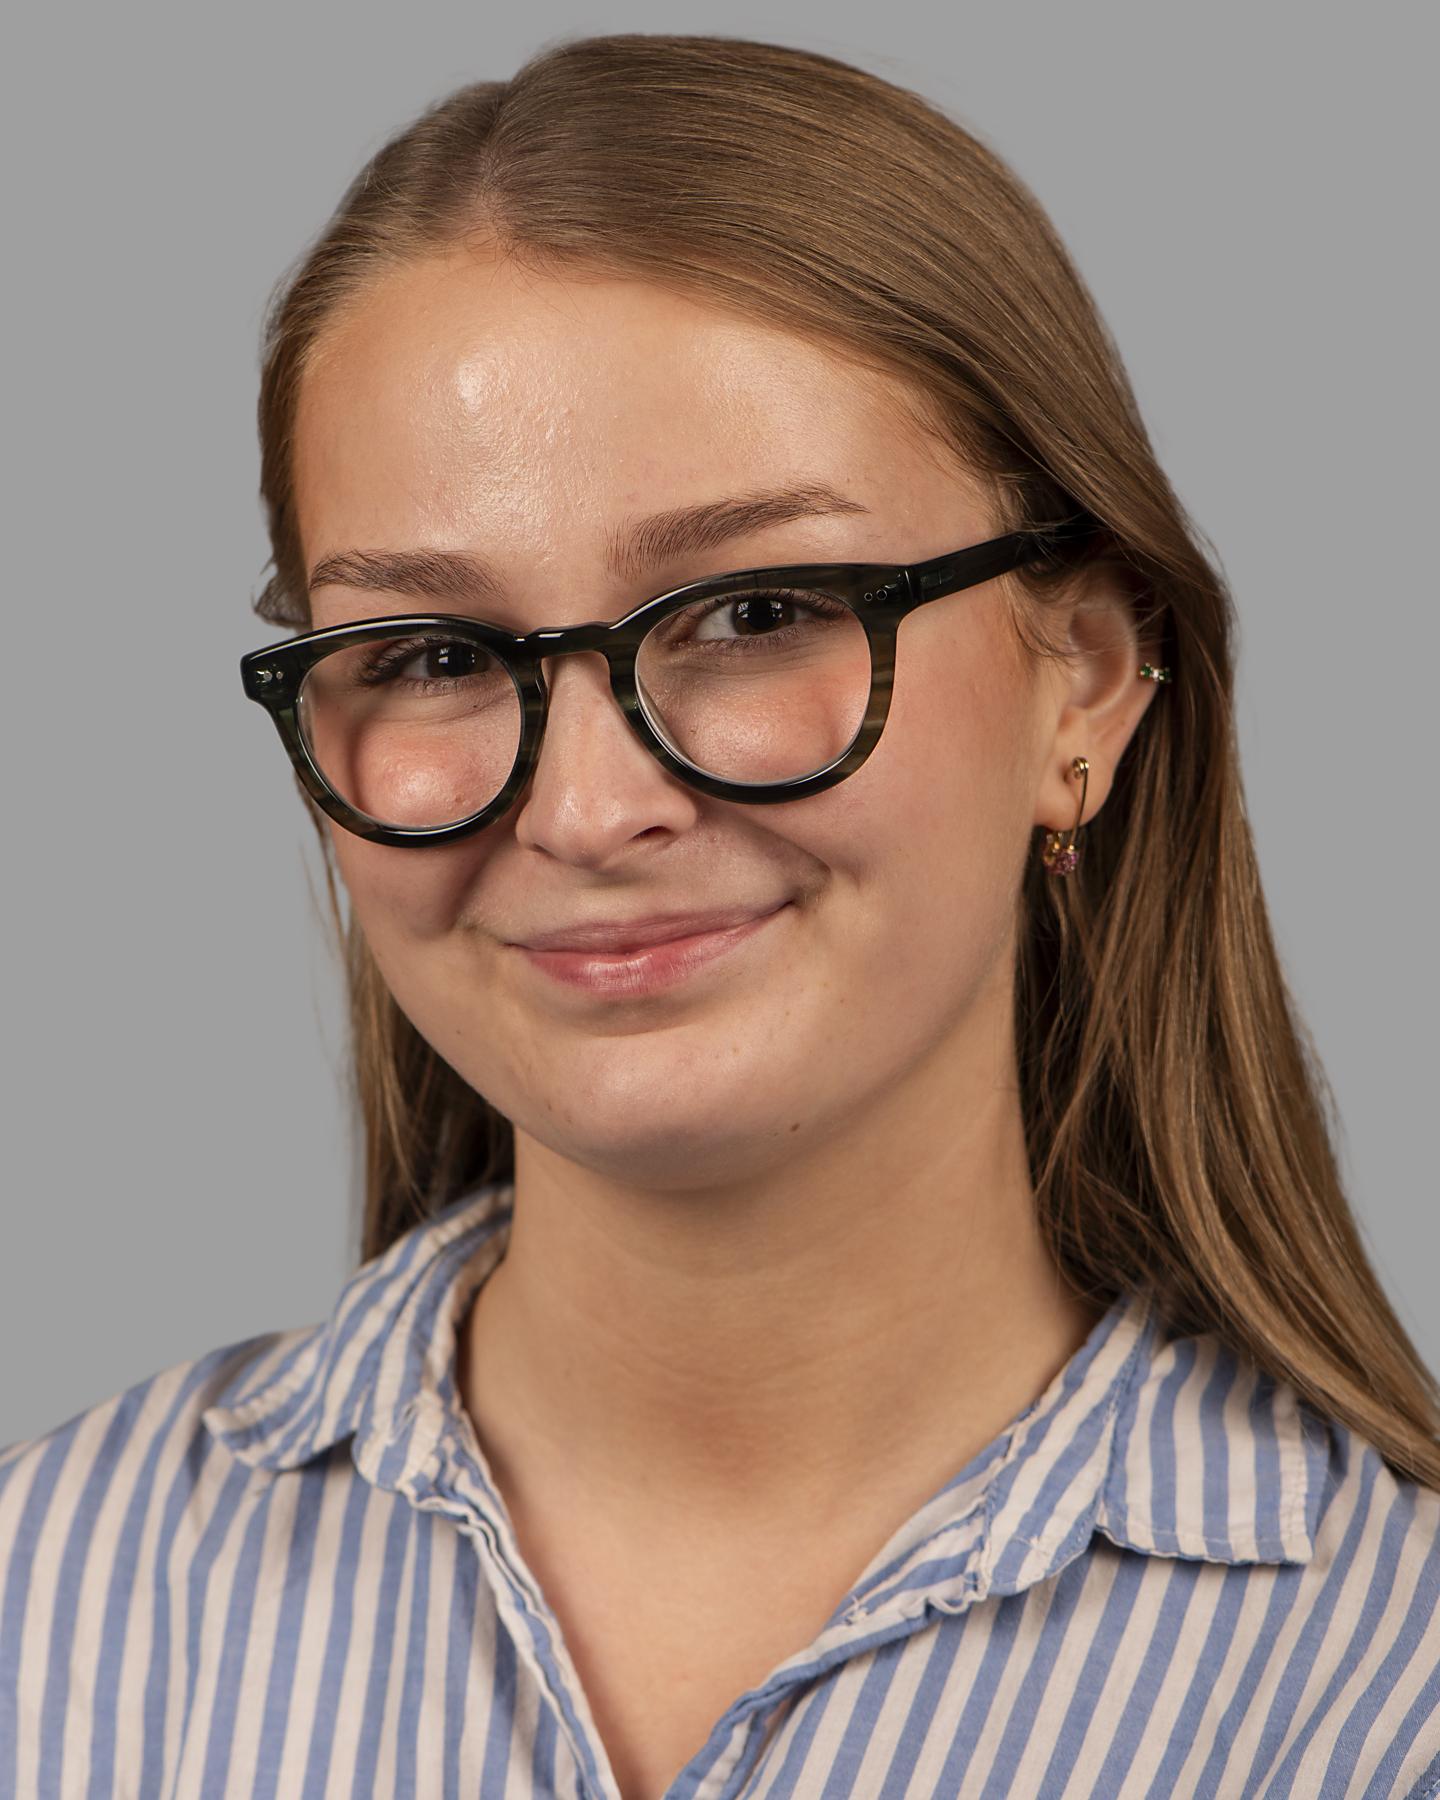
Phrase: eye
{"type": "Point", "coordinates": [750, 623]}
{"type": "Point", "coordinates": [419, 660]}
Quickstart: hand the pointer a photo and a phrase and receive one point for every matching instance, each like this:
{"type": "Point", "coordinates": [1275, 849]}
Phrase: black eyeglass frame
{"type": "Point", "coordinates": [880, 594]}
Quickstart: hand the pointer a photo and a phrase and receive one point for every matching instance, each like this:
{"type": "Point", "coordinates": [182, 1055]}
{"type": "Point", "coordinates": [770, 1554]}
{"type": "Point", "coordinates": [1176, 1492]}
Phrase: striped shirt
{"type": "Point", "coordinates": [283, 1568]}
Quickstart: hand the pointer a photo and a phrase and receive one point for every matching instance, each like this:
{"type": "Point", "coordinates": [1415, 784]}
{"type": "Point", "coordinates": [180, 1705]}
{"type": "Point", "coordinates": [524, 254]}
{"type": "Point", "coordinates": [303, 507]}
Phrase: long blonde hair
{"type": "Point", "coordinates": [1179, 1122]}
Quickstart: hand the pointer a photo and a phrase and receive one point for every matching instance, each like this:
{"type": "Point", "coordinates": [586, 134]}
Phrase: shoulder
{"type": "Point", "coordinates": [135, 1466]}
{"type": "Point", "coordinates": [110, 1525]}
{"type": "Point", "coordinates": [1376, 1541]}
{"type": "Point", "coordinates": [1353, 1664]}
{"type": "Point", "coordinates": [1312, 1569]}
{"type": "Point", "coordinates": [1363, 1621]}
{"type": "Point", "coordinates": [1375, 1538]}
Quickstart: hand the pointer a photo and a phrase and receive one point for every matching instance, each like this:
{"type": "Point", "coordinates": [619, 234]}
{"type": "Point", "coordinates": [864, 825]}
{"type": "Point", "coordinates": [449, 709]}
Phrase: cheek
{"type": "Point", "coordinates": [935, 828]}
{"type": "Point", "coordinates": [953, 767]}
{"type": "Point", "coordinates": [403, 896]}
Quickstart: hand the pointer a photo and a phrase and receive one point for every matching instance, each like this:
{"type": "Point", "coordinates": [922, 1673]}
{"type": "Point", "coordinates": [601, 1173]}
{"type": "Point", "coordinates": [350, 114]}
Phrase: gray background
{"type": "Point", "coordinates": [1244, 189]}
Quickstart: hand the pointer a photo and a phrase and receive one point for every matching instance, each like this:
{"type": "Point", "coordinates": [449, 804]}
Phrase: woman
{"type": "Point", "coordinates": [858, 1298]}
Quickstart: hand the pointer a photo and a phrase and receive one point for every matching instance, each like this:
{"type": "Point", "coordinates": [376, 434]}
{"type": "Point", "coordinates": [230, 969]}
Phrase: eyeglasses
{"type": "Point", "coordinates": [760, 686]}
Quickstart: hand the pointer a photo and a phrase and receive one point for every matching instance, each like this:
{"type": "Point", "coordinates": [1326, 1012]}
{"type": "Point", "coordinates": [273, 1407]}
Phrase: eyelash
{"type": "Point", "coordinates": [378, 663]}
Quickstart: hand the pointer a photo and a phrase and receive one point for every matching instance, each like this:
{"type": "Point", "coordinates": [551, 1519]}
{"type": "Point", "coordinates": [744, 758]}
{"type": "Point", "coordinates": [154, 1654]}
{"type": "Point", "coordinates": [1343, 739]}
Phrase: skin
{"type": "Point", "coordinates": [774, 1274]}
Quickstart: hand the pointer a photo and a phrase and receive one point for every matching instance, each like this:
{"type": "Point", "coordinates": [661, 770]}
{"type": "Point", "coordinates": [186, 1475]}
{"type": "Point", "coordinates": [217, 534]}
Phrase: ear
{"type": "Point", "coordinates": [1100, 697]}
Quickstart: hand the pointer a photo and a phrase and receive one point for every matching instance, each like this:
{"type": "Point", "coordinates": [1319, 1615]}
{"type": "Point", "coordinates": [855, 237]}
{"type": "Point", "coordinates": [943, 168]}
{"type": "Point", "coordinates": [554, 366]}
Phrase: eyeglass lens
{"type": "Point", "coordinates": [421, 729]}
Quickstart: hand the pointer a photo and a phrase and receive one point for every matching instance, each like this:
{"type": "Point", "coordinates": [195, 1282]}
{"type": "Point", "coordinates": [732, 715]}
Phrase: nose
{"type": "Point", "coordinates": [594, 786]}
{"type": "Point", "coordinates": [584, 672]}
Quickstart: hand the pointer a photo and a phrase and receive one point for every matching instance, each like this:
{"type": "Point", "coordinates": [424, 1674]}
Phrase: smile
{"type": "Point", "coordinates": [650, 968]}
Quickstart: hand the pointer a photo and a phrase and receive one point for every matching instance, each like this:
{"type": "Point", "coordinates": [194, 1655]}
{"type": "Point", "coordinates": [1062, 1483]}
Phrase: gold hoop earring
{"type": "Point", "coordinates": [1059, 856]}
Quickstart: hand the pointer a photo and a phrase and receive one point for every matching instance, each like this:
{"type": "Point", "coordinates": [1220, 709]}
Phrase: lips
{"type": "Point", "coordinates": [659, 967]}
{"type": "Point", "coordinates": [616, 937]}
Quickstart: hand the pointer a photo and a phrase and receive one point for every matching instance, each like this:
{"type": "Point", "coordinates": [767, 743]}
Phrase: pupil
{"type": "Point", "coordinates": [769, 601]}
{"type": "Point", "coordinates": [451, 659]}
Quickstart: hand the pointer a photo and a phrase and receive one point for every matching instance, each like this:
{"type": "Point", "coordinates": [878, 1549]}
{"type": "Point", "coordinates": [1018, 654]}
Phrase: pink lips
{"type": "Point", "coordinates": [621, 935]}
{"type": "Point", "coordinates": [647, 967]}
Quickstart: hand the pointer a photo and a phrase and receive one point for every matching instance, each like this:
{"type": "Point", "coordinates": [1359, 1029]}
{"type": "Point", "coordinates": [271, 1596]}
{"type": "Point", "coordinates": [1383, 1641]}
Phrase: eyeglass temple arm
{"type": "Point", "coordinates": [965, 568]}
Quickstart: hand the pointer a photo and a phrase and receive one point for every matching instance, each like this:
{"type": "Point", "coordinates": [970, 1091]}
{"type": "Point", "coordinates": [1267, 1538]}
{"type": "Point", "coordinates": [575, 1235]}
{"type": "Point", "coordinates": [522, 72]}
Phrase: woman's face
{"type": "Point", "coordinates": [467, 405]}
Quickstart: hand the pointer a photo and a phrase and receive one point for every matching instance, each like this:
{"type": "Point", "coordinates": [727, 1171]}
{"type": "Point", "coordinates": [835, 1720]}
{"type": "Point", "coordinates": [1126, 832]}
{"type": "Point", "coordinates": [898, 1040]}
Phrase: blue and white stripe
{"type": "Point", "coordinates": [283, 1569]}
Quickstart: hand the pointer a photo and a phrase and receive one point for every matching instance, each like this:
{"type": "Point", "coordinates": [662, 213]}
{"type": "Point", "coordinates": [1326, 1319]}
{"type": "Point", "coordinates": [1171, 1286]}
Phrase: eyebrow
{"type": "Point", "coordinates": [645, 544]}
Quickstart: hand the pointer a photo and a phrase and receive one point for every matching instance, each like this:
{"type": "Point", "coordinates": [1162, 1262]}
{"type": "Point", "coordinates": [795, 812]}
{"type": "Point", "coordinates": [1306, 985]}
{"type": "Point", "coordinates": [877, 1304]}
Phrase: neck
{"type": "Point", "coordinates": [857, 1326]}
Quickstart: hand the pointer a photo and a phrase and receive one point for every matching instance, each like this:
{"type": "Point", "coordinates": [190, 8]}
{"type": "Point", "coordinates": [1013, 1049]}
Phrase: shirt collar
{"type": "Point", "coordinates": [1169, 1445]}
{"type": "Point", "coordinates": [383, 1360]}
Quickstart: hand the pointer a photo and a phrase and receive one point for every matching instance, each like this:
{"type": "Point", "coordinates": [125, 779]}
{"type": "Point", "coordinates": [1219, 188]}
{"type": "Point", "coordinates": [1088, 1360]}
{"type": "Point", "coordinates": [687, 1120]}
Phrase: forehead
{"type": "Point", "coordinates": [468, 393]}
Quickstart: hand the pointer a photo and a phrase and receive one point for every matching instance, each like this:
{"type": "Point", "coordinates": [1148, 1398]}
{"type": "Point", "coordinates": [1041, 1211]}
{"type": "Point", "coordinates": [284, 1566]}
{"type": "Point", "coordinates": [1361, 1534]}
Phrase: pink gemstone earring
{"type": "Point", "coordinates": [1059, 856]}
